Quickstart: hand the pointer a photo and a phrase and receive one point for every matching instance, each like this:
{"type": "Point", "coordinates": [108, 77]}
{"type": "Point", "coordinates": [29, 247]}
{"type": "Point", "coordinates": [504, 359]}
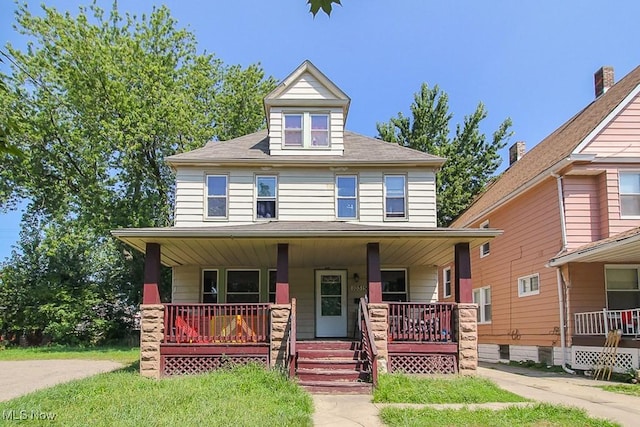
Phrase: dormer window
{"type": "Point", "coordinates": [306, 130]}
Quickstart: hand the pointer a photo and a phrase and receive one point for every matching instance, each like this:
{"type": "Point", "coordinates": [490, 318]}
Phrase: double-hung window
{"type": "Point", "coordinates": [482, 297]}
{"type": "Point", "coordinates": [623, 286]}
{"type": "Point", "coordinates": [485, 248]}
{"type": "Point", "coordinates": [394, 285]}
{"type": "Point", "coordinates": [395, 197]}
{"type": "Point", "coordinates": [210, 286]}
{"type": "Point", "coordinates": [529, 285]}
{"type": "Point", "coordinates": [293, 132]}
{"type": "Point", "coordinates": [266, 197]}
{"type": "Point", "coordinates": [243, 286]}
{"type": "Point", "coordinates": [319, 130]}
{"type": "Point", "coordinates": [629, 194]}
{"type": "Point", "coordinates": [304, 130]}
{"type": "Point", "coordinates": [217, 196]}
{"type": "Point", "coordinates": [346, 196]}
{"type": "Point", "coordinates": [446, 282]}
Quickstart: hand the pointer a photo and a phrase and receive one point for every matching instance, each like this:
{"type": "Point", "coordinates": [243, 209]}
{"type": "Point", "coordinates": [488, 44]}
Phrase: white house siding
{"type": "Point", "coordinates": [307, 87]}
{"type": "Point", "coordinates": [304, 194]}
{"type": "Point", "coordinates": [185, 284]}
{"type": "Point", "coordinates": [582, 210]}
{"type": "Point", "coordinates": [423, 283]}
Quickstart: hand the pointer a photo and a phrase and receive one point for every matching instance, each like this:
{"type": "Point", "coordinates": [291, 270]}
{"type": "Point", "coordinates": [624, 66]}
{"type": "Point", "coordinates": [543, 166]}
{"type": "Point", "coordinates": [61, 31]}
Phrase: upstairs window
{"type": "Point", "coordinates": [395, 201]}
{"type": "Point", "coordinates": [217, 196]}
{"type": "Point", "coordinates": [243, 286]}
{"type": "Point", "coordinates": [446, 282]}
{"type": "Point", "coordinates": [210, 286]}
{"type": "Point", "coordinates": [394, 285]}
{"type": "Point", "coordinates": [485, 248]}
{"type": "Point", "coordinates": [529, 285]}
{"type": "Point", "coordinates": [630, 194]}
{"type": "Point", "coordinates": [346, 196]}
{"type": "Point", "coordinates": [266, 196]}
{"type": "Point", "coordinates": [306, 130]}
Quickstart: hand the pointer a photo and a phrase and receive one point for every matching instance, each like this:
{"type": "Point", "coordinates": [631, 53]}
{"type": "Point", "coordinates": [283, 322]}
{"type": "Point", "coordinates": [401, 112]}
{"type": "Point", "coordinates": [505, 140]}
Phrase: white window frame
{"type": "Point", "coordinates": [355, 197]}
{"type": "Point", "coordinates": [202, 292]}
{"type": "Point", "coordinates": [307, 131]}
{"type": "Point", "coordinates": [258, 198]}
{"type": "Point", "coordinates": [485, 248]}
{"type": "Point", "coordinates": [619, 267]}
{"type": "Point", "coordinates": [285, 129]}
{"type": "Point", "coordinates": [479, 297]}
{"type": "Point", "coordinates": [621, 194]}
{"type": "Point", "coordinates": [406, 283]}
{"type": "Point", "coordinates": [404, 197]}
{"type": "Point", "coordinates": [226, 290]}
{"type": "Point", "coordinates": [527, 280]}
{"type": "Point", "coordinates": [446, 282]}
{"type": "Point", "coordinates": [207, 196]}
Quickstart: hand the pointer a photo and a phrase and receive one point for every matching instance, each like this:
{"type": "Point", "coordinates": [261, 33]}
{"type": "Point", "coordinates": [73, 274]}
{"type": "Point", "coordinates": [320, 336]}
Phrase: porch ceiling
{"type": "Point", "coordinates": [251, 246]}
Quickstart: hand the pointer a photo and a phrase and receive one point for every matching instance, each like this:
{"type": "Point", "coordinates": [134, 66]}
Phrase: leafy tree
{"type": "Point", "coordinates": [472, 159]}
{"type": "Point", "coordinates": [325, 5]}
{"type": "Point", "coordinates": [97, 101]}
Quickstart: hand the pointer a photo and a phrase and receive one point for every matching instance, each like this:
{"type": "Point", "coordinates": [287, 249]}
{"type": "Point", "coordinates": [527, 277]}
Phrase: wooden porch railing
{"type": "Point", "coordinates": [216, 323]}
{"type": "Point", "coordinates": [601, 322]}
{"type": "Point", "coordinates": [367, 341]}
{"type": "Point", "coordinates": [293, 355]}
{"type": "Point", "coordinates": [421, 322]}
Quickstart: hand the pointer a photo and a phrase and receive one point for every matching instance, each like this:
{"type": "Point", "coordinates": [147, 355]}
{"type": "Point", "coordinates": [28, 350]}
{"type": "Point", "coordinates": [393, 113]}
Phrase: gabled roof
{"type": "Point", "coordinates": [254, 149]}
{"type": "Point", "coordinates": [622, 247]}
{"type": "Point", "coordinates": [550, 152]}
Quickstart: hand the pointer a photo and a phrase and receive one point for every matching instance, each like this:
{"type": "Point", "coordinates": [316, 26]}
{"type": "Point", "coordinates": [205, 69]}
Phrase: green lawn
{"type": "Point", "coordinates": [124, 355]}
{"type": "Point", "coordinates": [243, 396]}
{"type": "Point", "coordinates": [631, 389]}
{"type": "Point", "coordinates": [397, 388]}
{"type": "Point", "coordinates": [542, 415]}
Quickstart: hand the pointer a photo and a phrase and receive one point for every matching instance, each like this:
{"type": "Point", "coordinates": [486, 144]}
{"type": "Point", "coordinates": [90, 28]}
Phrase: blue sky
{"type": "Point", "coordinates": [531, 61]}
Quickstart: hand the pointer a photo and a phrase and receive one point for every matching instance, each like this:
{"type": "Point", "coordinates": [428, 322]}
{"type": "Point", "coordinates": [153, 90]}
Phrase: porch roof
{"type": "Point", "coordinates": [621, 248]}
{"type": "Point", "coordinates": [311, 244]}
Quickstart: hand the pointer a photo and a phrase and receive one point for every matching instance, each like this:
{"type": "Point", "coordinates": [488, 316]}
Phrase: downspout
{"type": "Point", "coordinates": [563, 229]}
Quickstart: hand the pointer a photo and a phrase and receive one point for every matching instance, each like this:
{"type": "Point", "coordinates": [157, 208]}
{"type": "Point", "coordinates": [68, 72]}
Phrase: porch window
{"type": "Point", "coordinates": [446, 282]}
{"type": "Point", "coordinates": [485, 248]}
{"type": "Point", "coordinates": [293, 130]}
{"type": "Point", "coordinates": [210, 286]}
{"type": "Point", "coordinates": [243, 286]}
{"type": "Point", "coordinates": [266, 196]}
{"type": "Point", "coordinates": [394, 285]}
{"type": "Point", "coordinates": [623, 290]}
{"type": "Point", "coordinates": [346, 196]}
{"type": "Point", "coordinates": [217, 196]}
{"type": "Point", "coordinates": [272, 286]}
{"type": "Point", "coordinates": [529, 285]}
{"type": "Point", "coordinates": [482, 297]}
{"type": "Point", "coordinates": [395, 201]}
{"type": "Point", "coordinates": [629, 194]}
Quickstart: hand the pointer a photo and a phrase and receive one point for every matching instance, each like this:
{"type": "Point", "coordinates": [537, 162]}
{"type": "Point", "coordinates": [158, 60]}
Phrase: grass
{"type": "Point", "coordinates": [630, 389]}
{"type": "Point", "coordinates": [242, 396]}
{"type": "Point", "coordinates": [543, 415]}
{"type": "Point", "coordinates": [397, 388]}
{"type": "Point", "coordinates": [124, 355]}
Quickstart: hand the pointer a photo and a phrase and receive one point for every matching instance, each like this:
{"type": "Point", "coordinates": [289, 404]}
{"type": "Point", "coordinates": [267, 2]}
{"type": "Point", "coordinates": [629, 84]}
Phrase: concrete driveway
{"type": "Point", "coordinates": [24, 376]}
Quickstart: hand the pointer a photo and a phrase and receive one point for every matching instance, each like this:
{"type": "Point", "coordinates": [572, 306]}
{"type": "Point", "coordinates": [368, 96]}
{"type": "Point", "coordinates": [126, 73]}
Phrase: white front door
{"type": "Point", "coordinates": [331, 303]}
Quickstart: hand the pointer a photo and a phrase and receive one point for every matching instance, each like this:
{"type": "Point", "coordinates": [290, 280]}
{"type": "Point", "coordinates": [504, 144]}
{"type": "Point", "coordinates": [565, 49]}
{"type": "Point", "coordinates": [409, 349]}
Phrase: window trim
{"type": "Point", "coordinates": [620, 193]}
{"type": "Point", "coordinates": [406, 282]}
{"type": "Point", "coordinates": [207, 196]}
{"type": "Point", "coordinates": [356, 197]}
{"type": "Point", "coordinates": [521, 280]}
{"type": "Point", "coordinates": [284, 130]}
{"type": "Point", "coordinates": [445, 282]}
{"type": "Point", "coordinates": [257, 198]}
{"type": "Point", "coordinates": [482, 315]}
{"type": "Point", "coordinates": [226, 288]}
{"type": "Point", "coordinates": [307, 139]}
{"type": "Point", "coordinates": [405, 216]}
{"type": "Point", "coordinates": [485, 248]}
{"type": "Point", "coordinates": [202, 292]}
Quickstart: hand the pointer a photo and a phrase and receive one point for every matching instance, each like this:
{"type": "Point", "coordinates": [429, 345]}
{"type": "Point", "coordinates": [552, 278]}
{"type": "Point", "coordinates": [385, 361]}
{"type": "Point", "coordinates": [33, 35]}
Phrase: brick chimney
{"type": "Point", "coordinates": [516, 151]}
{"type": "Point", "coordinates": [603, 80]}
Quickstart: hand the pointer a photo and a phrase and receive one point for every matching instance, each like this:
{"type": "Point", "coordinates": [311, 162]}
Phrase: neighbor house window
{"type": "Point", "coordinates": [346, 196]}
{"type": "Point", "coordinates": [395, 201]}
{"type": "Point", "coordinates": [623, 286]}
{"type": "Point", "coordinates": [394, 285]}
{"type": "Point", "coordinates": [210, 286]}
{"type": "Point", "coordinates": [482, 297]}
{"type": "Point", "coordinates": [266, 196]}
{"type": "Point", "coordinates": [243, 286]}
{"type": "Point", "coordinates": [306, 130]}
{"type": "Point", "coordinates": [446, 282]}
{"type": "Point", "coordinates": [486, 247]}
{"type": "Point", "coordinates": [272, 286]}
{"type": "Point", "coordinates": [529, 285]}
{"type": "Point", "coordinates": [217, 196]}
{"type": "Point", "coordinates": [629, 194]}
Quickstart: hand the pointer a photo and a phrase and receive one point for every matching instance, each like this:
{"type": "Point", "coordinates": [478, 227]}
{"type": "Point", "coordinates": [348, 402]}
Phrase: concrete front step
{"type": "Point", "coordinates": [337, 375]}
{"type": "Point", "coordinates": [336, 387]}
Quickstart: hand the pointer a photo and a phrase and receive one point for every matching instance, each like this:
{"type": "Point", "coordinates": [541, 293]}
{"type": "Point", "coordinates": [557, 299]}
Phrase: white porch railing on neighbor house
{"type": "Point", "coordinates": [601, 322]}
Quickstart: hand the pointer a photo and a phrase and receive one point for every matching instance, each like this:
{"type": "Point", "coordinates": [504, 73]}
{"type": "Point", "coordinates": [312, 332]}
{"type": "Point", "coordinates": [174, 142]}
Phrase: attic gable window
{"type": "Point", "coordinates": [306, 130]}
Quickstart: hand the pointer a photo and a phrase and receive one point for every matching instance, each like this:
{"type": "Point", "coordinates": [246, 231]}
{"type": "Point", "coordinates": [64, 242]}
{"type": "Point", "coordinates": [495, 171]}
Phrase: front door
{"type": "Point", "coordinates": [331, 303]}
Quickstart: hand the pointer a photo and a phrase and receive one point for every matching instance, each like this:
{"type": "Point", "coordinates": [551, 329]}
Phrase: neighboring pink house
{"type": "Point", "coordinates": [566, 270]}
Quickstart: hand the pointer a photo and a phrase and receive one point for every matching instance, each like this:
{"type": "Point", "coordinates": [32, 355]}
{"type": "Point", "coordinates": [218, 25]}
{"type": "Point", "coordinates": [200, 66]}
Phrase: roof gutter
{"type": "Point", "coordinates": [577, 255]}
{"type": "Point", "coordinates": [318, 162]}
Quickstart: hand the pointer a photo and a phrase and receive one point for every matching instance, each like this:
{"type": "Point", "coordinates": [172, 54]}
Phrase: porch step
{"type": "Point", "coordinates": [327, 345]}
{"type": "Point", "coordinates": [328, 354]}
{"type": "Point", "coordinates": [305, 363]}
{"type": "Point", "coordinates": [332, 374]}
{"type": "Point", "coordinates": [336, 387]}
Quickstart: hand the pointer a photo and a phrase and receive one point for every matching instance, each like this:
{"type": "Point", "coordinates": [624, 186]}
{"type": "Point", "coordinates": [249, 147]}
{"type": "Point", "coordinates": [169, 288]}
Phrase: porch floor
{"type": "Point", "coordinates": [598, 341]}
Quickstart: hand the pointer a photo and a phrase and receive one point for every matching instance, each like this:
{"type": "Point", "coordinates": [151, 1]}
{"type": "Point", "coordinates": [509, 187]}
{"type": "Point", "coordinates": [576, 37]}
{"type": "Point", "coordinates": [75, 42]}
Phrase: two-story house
{"type": "Point", "coordinates": [566, 270]}
{"type": "Point", "coordinates": [278, 237]}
